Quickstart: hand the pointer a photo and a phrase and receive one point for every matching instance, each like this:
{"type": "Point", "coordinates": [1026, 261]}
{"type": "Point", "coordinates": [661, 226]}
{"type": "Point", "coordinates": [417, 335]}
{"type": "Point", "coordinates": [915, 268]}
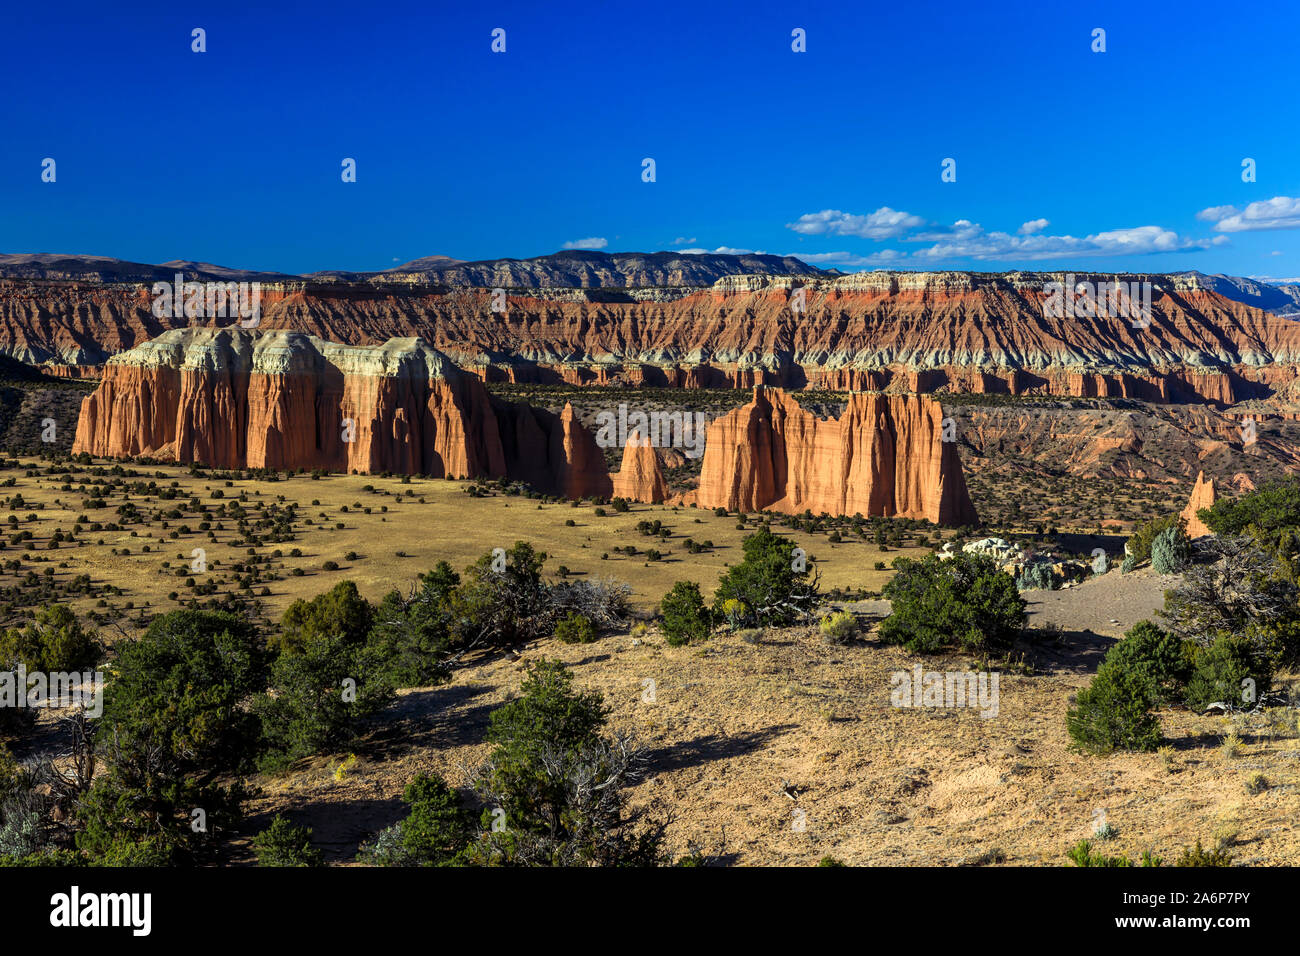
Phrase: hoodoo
{"type": "Point", "coordinates": [1202, 497]}
{"type": "Point", "coordinates": [885, 455]}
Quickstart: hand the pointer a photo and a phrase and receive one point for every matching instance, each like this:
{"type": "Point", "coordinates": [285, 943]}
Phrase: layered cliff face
{"type": "Point", "coordinates": [283, 400]}
{"type": "Point", "coordinates": [868, 331]}
{"type": "Point", "coordinates": [885, 455]}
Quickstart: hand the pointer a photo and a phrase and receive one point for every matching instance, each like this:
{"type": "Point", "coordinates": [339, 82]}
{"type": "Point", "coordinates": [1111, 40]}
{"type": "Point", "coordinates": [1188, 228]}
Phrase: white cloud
{"type": "Point", "coordinates": [1280, 212]}
{"type": "Point", "coordinates": [1033, 226]}
{"type": "Point", "coordinates": [969, 241]}
{"type": "Point", "coordinates": [595, 242]}
{"type": "Point", "coordinates": [722, 251]}
{"type": "Point", "coordinates": [1215, 213]}
{"type": "Point", "coordinates": [680, 241]}
{"type": "Point", "coordinates": [884, 223]}
{"type": "Point", "coordinates": [850, 259]}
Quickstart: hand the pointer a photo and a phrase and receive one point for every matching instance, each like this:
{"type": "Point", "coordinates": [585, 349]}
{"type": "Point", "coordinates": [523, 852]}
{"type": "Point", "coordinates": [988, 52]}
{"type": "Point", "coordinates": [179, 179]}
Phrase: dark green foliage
{"type": "Point", "coordinates": [176, 699]}
{"type": "Point", "coordinates": [53, 641]}
{"type": "Point", "coordinates": [437, 832]}
{"type": "Point", "coordinates": [1270, 515]}
{"type": "Point", "coordinates": [575, 629]}
{"type": "Point", "coordinates": [502, 608]}
{"type": "Point", "coordinates": [415, 636]}
{"type": "Point", "coordinates": [686, 618]}
{"type": "Point", "coordinates": [1221, 673]}
{"type": "Point", "coordinates": [548, 715]}
{"type": "Point", "coordinates": [963, 602]}
{"type": "Point", "coordinates": [829, 860]}
{"type": "Point", "coordinates": [772, 584]}
{"type": "Point", "coordinates": [1082, 854]}
{"type": "Point", "coordinates": [1139, 543]}
{"type": "Point", "coordinates": [1114, 711]}
{"type": "Point", "coordinates": [560, 783]}
{"type": "Point", "coordinates": [1171, 551]}
{"type": "Point", "coordinates": [1199, 856]}
{"type": "Point", "coordinates": [322, 697]}
{"type": "Point", "coordinates": [1162, 658]}
{"type": "Point", "coordinates": [283, 844]}
{"type": "Point", "coordinates": [340, 612]}
{"type": "Point", "coordinates": [175, 718]}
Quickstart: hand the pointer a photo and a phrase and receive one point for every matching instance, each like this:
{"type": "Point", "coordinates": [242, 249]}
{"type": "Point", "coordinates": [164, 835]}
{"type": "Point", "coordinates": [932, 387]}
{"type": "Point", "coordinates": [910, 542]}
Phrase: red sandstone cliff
{"type": "Point", "coordinates": [883, 456]}
{"type": "Point", "coordinates": [232, 399]}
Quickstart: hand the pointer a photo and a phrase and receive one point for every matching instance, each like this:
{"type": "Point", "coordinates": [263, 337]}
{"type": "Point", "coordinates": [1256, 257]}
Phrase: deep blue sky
{"type": "Point", "coordinates": [233, 156]}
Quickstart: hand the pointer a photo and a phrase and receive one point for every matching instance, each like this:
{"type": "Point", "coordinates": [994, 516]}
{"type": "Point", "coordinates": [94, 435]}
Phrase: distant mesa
{"type": "Point", "coordinates": [580, 269]}
{"type": "Point", "coordinates": [678, 320]}
{"type": "Point", "coordinates": [230, 398]}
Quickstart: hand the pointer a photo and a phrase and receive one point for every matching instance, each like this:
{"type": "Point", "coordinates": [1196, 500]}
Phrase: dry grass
{"type": "Point", "coordinates": [877, 785]}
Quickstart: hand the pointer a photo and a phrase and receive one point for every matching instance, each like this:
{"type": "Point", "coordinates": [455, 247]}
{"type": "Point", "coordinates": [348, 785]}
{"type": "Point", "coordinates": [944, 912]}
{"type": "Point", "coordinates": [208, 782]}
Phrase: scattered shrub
{"type": "Point", "coordinates": [1114, 712]}
{"type": "Point", "coordinates": [964, 601]}
{"type": "Point", "coordinates": [1139, 543]}
{"type": "Point", "coordinates": [1082, 854]}
{"type": "Point", "coordinates": [436, 833]}
{"type": "Point", "coordinates": [685, 616]}
{"type": "Point", "coordinates": [1159, 656]}
{"type": "Point", "coordinates": [283, 844]}
{"type": "Point", "coordinates": [53, 641]}
{"type": "Point", "coordinates": [575, 629]}
{"type": "Point", "coordinates": [1036, 577]}
{"type": "Point", "coordinates": [839, 628]}
{"type": "Point", "coordinates": [1171, 551]}
{"type": "Point", "coordinates": [1199, 856]}
{"type": "Point", "coordinates": [1230, 671]}
{"type": "Point", "coordinates": [772, 582]}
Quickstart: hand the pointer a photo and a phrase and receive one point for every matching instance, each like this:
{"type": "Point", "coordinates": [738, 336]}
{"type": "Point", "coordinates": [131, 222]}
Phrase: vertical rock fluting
{"type": "Point", "coordinates": [1202, 497]}
{"type": "Point", "coordinates": [231, 399]}
{"type": "Point", "coordinates": [883, 456]}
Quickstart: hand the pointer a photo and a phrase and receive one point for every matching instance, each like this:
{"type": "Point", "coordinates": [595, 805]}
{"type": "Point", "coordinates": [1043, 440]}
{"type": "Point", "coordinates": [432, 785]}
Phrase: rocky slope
{"type": "Point", "coordinates": [926, 332]}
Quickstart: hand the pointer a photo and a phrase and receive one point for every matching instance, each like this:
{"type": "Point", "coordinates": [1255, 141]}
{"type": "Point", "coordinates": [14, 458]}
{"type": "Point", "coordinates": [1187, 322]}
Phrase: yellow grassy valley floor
{"type": "Point", "coordinates": [451, 525]}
